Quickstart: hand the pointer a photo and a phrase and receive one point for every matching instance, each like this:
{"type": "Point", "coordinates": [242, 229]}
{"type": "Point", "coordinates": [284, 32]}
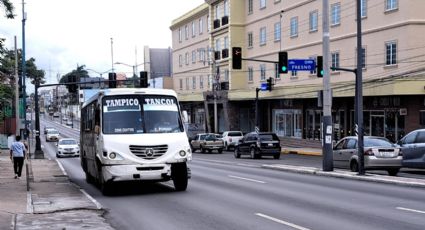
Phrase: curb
{"type": "Point", "coordinates": [419, 183]}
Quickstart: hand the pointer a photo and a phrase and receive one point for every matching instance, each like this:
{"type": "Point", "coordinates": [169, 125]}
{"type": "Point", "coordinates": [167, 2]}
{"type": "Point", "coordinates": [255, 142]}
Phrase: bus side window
{"type": "Point", "coordinates": [97, 121]}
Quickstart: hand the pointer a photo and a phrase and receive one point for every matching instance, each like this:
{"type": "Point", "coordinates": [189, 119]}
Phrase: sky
{"type": "Point", "coordinates": [62, 34]}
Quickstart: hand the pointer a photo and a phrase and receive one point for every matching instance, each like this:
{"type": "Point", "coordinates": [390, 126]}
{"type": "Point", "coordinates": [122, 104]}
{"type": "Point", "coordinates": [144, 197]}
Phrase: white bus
{"type": "Point", "coordinates": [134, 134]}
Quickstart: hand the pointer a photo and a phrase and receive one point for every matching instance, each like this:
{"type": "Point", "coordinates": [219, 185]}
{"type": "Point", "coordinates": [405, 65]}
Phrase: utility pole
{"type": "Point", "coordinates": [23, 78]}
{"type": "Point", "coordinates": [112, 54]}
{"type": "Point", "coordinates": [359, 88]}
{"type": "Point", "coordinates": [18, 120]}
{"type": "Point", "coordinates": [327, 130]}
{"type": "Point", "coordinates": [38, 153]}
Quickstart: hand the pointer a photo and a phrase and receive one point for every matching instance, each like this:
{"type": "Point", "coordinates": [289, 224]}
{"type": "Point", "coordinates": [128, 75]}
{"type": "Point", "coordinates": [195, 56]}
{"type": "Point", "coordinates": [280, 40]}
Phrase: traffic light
{"type": "Point", "coordinates": [112, 77]}
{"type": "Point", "coordinates": [319, 66]}
{"type": "Point", "coordinates": [144, 79]}
{"type": "Point", "coordinates": [236, 57]}
{"type": "Point", "coordinates": [269, 84]}
{"type": "Point", "coordinates": [283, 62]}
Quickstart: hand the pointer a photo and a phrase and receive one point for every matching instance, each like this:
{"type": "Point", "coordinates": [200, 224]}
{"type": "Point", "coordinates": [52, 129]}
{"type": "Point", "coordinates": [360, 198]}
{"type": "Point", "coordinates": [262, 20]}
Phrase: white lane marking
{"type": "Point", "coordinates": [247, 179]}
{"type": "Point", "coordinates": [248, 165]}
{"type": "Point", "coordinates": [98, 205]}
{"type": "Point", "coordinates": [410, 210]}
{"type": "Point", "coordinates": [282, 222]}
{"type": "Point", "coordinates": [60, 166]}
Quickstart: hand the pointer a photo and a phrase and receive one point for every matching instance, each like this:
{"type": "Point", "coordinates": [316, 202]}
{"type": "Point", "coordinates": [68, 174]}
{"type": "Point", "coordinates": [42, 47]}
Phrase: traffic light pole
{"type": "Point", "coordinates": [257, 117]}
{"type": "Point", "coordinates": [38, 152]}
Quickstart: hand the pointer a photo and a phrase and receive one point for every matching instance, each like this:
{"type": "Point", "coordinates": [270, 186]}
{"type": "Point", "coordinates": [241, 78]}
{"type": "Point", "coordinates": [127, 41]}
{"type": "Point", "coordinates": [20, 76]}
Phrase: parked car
{"type": "Point", "coordinates": [47, 128]}
{"type": "Point", "coordinates": [52, 135]}
{"type": "Point", "coordinates": [69, 123]}
{"type": "Point", "coordinates": [207, 141]}
{"type": "Point", "coordinates": [231, 138]}
{"type": "Point", "coordinates": [413, 147]}
{"type": "Point", "coordinates": [67, 147]}
{"type": "Point", "coordinates": [379, 153]}
{"type": "Point", "coordinates": [64, 119]}
{"type": "Point", "coordinates": [56, 114]}
{"type": "Point", "coordinates": [258, 144]}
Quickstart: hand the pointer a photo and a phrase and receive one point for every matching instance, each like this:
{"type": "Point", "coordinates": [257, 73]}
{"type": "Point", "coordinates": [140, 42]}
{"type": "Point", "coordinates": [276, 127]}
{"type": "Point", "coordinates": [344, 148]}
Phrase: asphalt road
{"type": "Point", "coordinates": [229, 193]}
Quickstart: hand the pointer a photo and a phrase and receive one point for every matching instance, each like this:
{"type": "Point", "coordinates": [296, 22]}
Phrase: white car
{"type": "Point", "coordinates": [231, 138]}
{"type": "Point", "coordinates": [67, 147]}
{"type": "Point", "coordinates": [52, 135]}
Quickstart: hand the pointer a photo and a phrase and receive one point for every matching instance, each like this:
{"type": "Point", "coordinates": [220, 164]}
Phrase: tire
{"type": "Point", "coordinates": [104, 186]}
{"type": "Point", "coordinates": [237, 153]}
{"type": "Point", "coordinates": [220, 151]}
{"type": "Point", "coordinates": [57, 156]}
{"type": "Point", "coordinates": [179, 175]}
{"type": "Point", "coordinates": [277, 156]}
{"type": "Point", "coordinates": [354, 166]}
{"type": "Point", "coordinates": [209, 150]}
{"type": "Point", "coordinates": [89, 178]}
{"type": "Point", "coordinates": [393, 172]}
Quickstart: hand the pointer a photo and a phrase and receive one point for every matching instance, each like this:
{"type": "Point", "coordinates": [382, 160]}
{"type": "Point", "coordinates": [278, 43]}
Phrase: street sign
{"type": "Point", "coordinates": [301, 65]}
{"type": "Point", "coordinates": [263, 86]}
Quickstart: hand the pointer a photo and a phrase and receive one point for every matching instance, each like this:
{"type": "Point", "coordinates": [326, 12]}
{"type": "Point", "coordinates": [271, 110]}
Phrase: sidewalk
{"type": "Point", "coordinates": [52, 202]}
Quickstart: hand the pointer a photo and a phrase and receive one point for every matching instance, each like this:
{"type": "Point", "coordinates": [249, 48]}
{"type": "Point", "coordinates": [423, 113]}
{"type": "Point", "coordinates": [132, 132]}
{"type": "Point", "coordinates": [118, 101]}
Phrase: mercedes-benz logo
{"type": "Point", "coordinates": [149, 152]}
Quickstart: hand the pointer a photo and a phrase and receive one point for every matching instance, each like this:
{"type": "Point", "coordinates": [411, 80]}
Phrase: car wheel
{"type": "Point", "coordinates": [209, 150]}
{"type": "Point", "coordinates": [393, 172]}
{"type": "Point", "coordinates": [57, 156]}
{"type": "Point", "coordinates": [237, 153]}
{"type": "Point", "coordinates": [354, 166]}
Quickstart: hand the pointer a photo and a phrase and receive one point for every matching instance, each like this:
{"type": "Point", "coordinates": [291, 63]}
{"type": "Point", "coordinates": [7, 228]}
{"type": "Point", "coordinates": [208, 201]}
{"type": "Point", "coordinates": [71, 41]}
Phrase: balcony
{"type": "Point", "coordinates": [225, 20]}
{"type": "Point", "coordinates": [225, 53]}
{"type": "Point", "coordinates": [216, 23]}
{"type": "Point", "coordinates": [217, 55]}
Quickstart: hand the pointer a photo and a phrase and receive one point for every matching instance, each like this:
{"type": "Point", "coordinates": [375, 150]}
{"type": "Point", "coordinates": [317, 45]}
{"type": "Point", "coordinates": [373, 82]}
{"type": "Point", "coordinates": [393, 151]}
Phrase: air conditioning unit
{"type": "Point", "coordinates": [217, 55]}
{"type": "Point", "coordinates": [225, 20]}
{"type": "Point", "coordinates": [225, 53]}
{"type": "Point", "coordinates": [216, 23]}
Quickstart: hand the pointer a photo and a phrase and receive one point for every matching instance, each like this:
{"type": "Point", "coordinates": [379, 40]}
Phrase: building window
{"type": "Point", "coordinates": [186, 32]}
{"type": "Point", "coordinates": [194, 82]}
{"type": "Point", "coordinates": [186, 59]}
{"type": "Point", "coordinates": [180, 60]}
{"type": "Point", "coordinates": [226, 42]}
{"type": "Point", "coordinates": [187, 83]}
{"type": "Point", "coordinates": [263, 36]}
{"type": "Point", "coordinates": [250, 6]}
{"type": "Point", "coordinates": [250, 39]}
{"type": "Point", "coordinates": [180, 34]}
{"type": "Point", "coordinates": [226, 7]}
{"type": "Point", "coordinates": [201, 55]}
{"type": "Point", "coordinates": [391, 53]}
{"type": "Point", "coordinates": [277, 33]}
{"type": "Point", "coordinates": [335, 60]}
{"type": "Point", "coordinates": [336, 14]}
{"type": "Point", "coordinates": [208, 23]}
{"type": "Point", "coordinates": [263, 72]}
{"type": "Point", "coordinates": [217, 11]}
{"type": "Point", "coordinates": [276, 71]}
{"type": "Point", "coordinates": [363, 7]}
{"type": "Point", "coordinates": [391, 4]}
{"type": "Point", "coordinates": [294, 27]}
{"type": "Point", "coordinates": [313, 21]}
{"type": "Point", "coordinates": [181, 84]}
{"type": "Point", "coordinates": [262, 4]}
{"type": "Point", "coordinates": [193, 29]}
{"type": "Point", "coordinates": [217, 45]}
{"type": "Point", "coordinates": [250, 74]}
{"type": "Point", "coordinates": [201, 82]}
{"type": "Point", "coordinates": [193, 56]}
{"type": "Point", "coordinates": [201, 26]}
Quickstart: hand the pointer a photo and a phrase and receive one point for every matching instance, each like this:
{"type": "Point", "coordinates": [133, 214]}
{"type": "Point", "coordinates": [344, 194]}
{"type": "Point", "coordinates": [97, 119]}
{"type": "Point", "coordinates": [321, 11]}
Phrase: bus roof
{"type": "Point", "coordinates": [127, 91]}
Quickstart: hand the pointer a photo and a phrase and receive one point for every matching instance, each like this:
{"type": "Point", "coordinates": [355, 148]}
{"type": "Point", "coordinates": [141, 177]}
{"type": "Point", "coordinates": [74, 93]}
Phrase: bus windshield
{"type": "Point", "coordinates": [131, 114]}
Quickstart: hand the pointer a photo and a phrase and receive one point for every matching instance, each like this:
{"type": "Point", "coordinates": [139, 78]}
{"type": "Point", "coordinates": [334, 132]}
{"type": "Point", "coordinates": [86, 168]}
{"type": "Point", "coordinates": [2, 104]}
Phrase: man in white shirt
{"type": "Point", "coordinates": [17, 155]}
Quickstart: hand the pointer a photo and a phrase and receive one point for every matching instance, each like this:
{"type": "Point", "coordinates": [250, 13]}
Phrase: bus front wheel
{"type": "Point", "coordinates": [179, 175]}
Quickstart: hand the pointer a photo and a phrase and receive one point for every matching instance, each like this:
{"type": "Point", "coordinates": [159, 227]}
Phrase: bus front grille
{"type": "Point", "coordinates": [148, 152]}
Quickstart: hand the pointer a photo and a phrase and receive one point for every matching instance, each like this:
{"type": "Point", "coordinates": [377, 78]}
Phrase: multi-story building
{"type": "Point", "coordinates": [158, 63]}
{"type": "Point", "coordinates": [393, 64]}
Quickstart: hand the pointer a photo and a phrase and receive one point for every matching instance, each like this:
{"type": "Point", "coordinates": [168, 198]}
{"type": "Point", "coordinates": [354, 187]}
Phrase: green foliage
{"type": "Point", "coordinates": [8, 8]}
{"type": "Point", "coordinates": [7, 66]}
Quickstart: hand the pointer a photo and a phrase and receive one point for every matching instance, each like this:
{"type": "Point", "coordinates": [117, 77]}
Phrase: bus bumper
{"type": "Point", "coordinates": [156, 172]}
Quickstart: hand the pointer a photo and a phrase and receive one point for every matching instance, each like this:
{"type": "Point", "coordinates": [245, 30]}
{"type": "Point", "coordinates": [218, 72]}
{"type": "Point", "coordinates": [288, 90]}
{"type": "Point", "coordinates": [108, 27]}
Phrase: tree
{"type": "Point", "coordinates": [7, 66]}
{"type": "Point", "coordinates": [8, 8]}
{"type": "Point", "coordinates": [74, 75]}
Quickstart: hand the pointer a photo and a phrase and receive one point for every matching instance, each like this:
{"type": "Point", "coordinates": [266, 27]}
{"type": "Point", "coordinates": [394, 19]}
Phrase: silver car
{"type": "Point", "coordinates": [413, 147]}
{"type": "Point", "coordinates": [379, 153]}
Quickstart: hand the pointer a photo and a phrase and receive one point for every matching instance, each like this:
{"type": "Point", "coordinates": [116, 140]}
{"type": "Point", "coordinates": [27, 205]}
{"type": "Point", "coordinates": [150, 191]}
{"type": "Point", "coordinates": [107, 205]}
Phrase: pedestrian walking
{"type": "Point", "coordinates": [17, 155]}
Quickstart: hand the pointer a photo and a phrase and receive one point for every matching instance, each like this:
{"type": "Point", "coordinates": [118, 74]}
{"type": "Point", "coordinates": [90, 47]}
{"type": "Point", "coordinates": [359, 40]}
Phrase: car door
{"type": "Point", "coordinates": [244, 144]}
{"type": "Point", "coordinates": [337, 153]}
{"type": "Point", "coordinates": [195, 142]}
{"type": "Point", "coordinates": [413, 148]}
{"type": "Point", "coordinates": [349, 151]}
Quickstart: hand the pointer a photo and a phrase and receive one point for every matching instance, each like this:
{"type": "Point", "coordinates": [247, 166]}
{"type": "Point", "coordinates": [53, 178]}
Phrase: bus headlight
{"type": "Point", "coordinates": [112, 155]}
{"type": "Point", "coordinates": [115, 156]}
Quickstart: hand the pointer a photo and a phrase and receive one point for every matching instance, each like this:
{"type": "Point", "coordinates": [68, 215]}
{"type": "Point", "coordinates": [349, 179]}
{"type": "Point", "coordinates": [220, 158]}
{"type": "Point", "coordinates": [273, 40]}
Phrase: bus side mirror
{"type": "Point", "coordinates": [185, 116]}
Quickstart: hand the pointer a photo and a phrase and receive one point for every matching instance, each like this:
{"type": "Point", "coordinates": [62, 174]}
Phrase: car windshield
{"type": "Point", "coordinates": [67, 142]}
{"type": "Point", "coordinates": [52, 132]}
{"type": "Point", "coordinates": [211, 137]}
{"type": "Point", "coordinates": [130, 114]}
{"type": "Point", "coordinates": [377, 142]}
{"type": "Point", "coordinates": [268, 137]}
{"type": "Point", "coordinates": [234, 134]}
